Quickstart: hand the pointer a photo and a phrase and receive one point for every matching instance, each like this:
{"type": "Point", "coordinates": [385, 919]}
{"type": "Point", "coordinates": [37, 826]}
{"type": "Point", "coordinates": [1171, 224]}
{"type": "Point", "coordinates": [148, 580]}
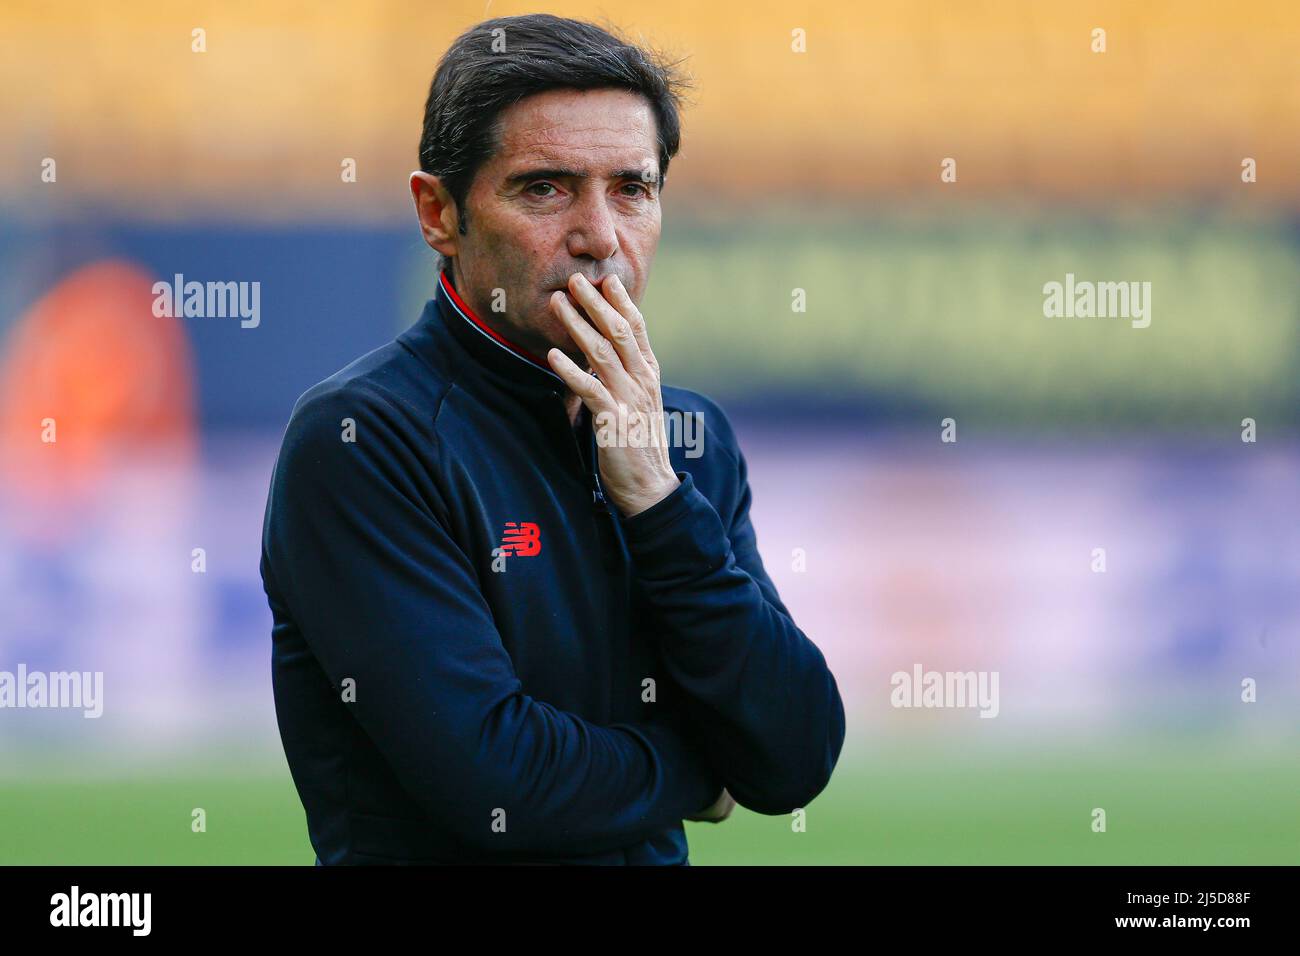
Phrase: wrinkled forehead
{"type": "Point", "coordinates": [596, 132]}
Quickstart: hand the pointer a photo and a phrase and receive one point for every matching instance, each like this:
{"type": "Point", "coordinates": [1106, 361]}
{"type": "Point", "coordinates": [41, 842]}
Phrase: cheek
{"type": "Point", "coordinates": [505, 231]}
{"type": "Point", "coordinates": [532, 231]}
{"type": "Point", "coordinates": [640, 241]}
{"type": "Point", "coordinates": [642, 232]}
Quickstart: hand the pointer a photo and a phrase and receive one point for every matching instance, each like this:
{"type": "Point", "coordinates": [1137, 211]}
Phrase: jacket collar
{"type": "Point", "coordinates": [509, 362]}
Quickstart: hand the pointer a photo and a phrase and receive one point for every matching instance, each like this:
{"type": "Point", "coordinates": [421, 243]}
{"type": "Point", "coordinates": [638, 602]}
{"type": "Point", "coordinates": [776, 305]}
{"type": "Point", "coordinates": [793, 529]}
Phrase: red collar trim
{"type": "Point", "coordinates": [468, 314]}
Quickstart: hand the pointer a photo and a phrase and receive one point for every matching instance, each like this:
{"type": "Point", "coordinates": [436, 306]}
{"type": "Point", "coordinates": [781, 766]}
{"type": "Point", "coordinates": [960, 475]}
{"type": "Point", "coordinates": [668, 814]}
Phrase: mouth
{"type": "Point", "coordinates": [563, 286]}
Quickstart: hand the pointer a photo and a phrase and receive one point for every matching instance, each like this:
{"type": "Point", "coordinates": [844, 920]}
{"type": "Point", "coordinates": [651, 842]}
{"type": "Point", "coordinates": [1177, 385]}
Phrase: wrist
{"type": "Point", "coordinates": [646, 501]}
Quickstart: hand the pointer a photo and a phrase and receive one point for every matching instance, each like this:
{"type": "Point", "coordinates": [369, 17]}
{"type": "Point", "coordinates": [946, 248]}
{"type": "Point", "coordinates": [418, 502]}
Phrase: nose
{"type": "Point", "coordinates": [593, 233]}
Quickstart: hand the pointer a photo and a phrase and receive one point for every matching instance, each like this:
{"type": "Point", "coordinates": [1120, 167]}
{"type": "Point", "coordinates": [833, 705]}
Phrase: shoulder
{"type": "Point", "coordinates": [705, 413]}
{"type": "Point", "coordinates": [702, 442]}
{"type": "Point", "coordinates": [368, 429]}
{"type": "Point", "coordinates": [387, 389]}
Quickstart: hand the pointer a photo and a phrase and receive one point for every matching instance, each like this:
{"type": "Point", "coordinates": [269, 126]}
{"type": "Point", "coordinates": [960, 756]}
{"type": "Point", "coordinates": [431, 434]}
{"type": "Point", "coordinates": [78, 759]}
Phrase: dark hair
{"type": "Point", "coordinates": [477, 79]}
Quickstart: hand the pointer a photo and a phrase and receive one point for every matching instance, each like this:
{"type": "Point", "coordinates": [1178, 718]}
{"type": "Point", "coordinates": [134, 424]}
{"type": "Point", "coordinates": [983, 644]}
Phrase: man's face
{"type": "Point", "coordinates": [572, 188]}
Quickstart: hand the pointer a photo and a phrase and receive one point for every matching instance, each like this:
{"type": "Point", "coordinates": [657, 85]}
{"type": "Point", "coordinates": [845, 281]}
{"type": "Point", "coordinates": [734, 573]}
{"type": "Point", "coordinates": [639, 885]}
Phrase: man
{"type": "Point", "coordinates": [496, 638]}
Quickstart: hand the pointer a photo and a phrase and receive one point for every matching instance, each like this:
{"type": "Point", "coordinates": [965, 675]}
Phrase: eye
{"type": "Point", "coordinates": [532, 187]}
{"type": "Point", "coordinates": [637, 188]}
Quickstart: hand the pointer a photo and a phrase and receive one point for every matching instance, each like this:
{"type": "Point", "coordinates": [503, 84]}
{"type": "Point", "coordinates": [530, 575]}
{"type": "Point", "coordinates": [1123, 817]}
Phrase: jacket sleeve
{"type": "Point", "coordinates": [383, 595]}
{"type": "Point", "coordinates": [765, 704]}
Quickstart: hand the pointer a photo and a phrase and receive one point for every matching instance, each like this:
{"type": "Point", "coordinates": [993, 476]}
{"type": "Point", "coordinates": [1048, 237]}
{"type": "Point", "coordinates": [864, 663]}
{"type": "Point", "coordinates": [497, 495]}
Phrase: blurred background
{"type": "Point", "coordinates": [130, 157]}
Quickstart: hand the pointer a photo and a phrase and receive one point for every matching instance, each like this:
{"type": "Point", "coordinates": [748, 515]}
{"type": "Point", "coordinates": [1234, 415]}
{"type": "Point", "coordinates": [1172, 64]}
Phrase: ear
{"type": "Point", "coordinates": [436, 211]}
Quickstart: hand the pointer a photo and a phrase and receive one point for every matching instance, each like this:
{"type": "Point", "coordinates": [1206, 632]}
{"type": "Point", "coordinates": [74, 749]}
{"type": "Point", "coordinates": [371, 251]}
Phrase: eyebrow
{"type": "Point", "coordinates": [528, 175]}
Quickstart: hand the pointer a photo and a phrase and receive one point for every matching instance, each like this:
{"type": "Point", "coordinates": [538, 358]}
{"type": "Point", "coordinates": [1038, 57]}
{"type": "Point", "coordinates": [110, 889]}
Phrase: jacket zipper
{"type": "Point", "coordinates": [598, 500]}
{"type": "Point", "coordinates": [597, 492]}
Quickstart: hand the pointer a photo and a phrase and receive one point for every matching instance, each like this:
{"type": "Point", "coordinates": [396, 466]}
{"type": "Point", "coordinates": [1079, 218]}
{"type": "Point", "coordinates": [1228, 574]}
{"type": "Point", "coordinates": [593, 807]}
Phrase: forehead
{"type": "Point", "coordinates": [585, 129]}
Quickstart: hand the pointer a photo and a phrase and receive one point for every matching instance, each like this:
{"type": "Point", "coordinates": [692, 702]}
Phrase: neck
{"type": "Point", "coordinates": [498, 322]}
{"type": "Point", "coordinates": [573, 405]}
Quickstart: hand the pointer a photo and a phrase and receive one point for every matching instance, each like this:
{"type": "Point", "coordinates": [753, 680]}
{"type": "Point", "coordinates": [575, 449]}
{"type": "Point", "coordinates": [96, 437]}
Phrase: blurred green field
{"type": "Point", "coordinates": [1186, 807]}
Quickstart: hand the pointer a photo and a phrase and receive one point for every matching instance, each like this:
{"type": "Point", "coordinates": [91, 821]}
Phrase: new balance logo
{"type": "Point", "coordinates": [522, 539]}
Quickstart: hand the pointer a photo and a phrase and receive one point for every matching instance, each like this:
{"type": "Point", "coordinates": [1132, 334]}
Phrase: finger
{"type": "Point", "coordinates": [599, 350]}
{"type": "Point", "coordinates": [610, 322]}
{"type": "Point", "coordinates": [616, 292]}
{"type": "Point", "coordinates": [582, 383]}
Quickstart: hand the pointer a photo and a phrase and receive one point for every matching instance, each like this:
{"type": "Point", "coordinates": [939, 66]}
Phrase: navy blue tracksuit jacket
{"type": "Point", "coordinates": [476, 658]}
